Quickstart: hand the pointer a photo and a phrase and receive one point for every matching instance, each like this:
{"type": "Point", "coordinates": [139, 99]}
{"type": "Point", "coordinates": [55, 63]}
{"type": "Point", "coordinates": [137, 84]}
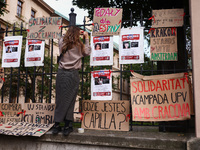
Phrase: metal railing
{"type": "Point", "coordinates": [37, 83]}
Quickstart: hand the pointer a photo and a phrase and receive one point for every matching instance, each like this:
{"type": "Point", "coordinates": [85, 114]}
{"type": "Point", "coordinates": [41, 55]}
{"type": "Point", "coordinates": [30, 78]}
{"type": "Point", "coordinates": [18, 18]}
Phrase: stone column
{"type": "Point", "coordinates": [195, 36]}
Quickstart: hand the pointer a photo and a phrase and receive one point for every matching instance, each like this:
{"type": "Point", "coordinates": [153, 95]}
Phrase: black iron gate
{"type": "Point", "coordinates": [37, 83]}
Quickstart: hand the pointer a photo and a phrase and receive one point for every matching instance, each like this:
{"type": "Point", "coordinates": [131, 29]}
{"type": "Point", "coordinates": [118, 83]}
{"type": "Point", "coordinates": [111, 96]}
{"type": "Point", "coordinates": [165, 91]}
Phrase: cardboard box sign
{"type": "Point", "coordinates": [9, 112]}
{"type": "Point", "coordinates": [167, 18]}
{"type": "Point", "coordinates": [107, 21]}
{"type": "Point", "coordinates": [44, 28]}
{"type": "Point", "coordinates": [39, 113]}
{"type": "Point", "coordinates": [163, 44]}
{"type": "Point", "coordinates": [105, 115]}
{"type": "Point", "coordinates": [24, 129]}
{"type": "Point", "coordinates": [160, 97]}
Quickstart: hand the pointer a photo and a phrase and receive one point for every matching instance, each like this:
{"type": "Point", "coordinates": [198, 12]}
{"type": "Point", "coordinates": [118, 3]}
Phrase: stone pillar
{"type": "Point", "coordinates": [195, 37]}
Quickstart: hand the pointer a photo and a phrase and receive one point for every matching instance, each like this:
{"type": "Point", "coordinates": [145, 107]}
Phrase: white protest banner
{"type": "Point", "coordinates": [167, 18]}
{"type": "Point", "coordinates": [107, 21]}
{"type": "Point", "coordinates": [39, 113]}
{"type": "Point", "coordinates": [131, 45]}
{"type": "Point", "coordinates": [34, 54]}
{"type": "Point", "coordinates": [44, 28]}
{"type": "Point", "coordinates": [10, 112]}
{"type": "Point", "coordinates": [12, 51]}
{"type": "Point", "coordinates": [102, 51]}
{"type": "Point", "coordinates": [24, 129]}
{"type": "Point", "coordinates": [163, 44]}
{"type": "Point", "coordinates": [101, 85]}
{"type": "Point", "coordinates": [160, 97]}
{"type": "Point", "coordinates": [105, 115]}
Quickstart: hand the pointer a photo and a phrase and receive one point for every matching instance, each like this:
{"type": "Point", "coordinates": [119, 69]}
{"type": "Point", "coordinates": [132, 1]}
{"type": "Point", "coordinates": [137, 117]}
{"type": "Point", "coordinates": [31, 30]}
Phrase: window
{"type": "Point", "coordinates": [19, 8]}
{"type": "Point", "coordinates": [32, 13]}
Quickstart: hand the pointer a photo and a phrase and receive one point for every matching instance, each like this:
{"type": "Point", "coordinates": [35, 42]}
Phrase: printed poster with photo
{"type": "Point", "coordinates": [11, 51]}
{"type": "Point", "coordinates": [101, 85]}
{"type": "Point", "coordinates": [131, 45]}
{"type": "Point", "coordinates": [102, 51]}
{"type": "Point", "coordinates": [34, 54]}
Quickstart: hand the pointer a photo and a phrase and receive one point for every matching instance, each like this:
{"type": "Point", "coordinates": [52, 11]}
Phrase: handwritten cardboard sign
{"type": "Point", "coordinates": [160, 97]}
{"type": "Point", "coordinates": [9, 112]}
{"type": "Point", "coordinates": [167, 18]}
{"type": "Point", "coordinates": [105, 115]}
{"type": "Point", "coordinates": [163, 43]}
{"type": "Point", "coordinates": [24, 129]}
{"type": "Point", "coordinates": [107, 21]}
{"type": "Point", "coordinates": [44, 28]}
{"type": "Point", "coordinates": [39, 113]}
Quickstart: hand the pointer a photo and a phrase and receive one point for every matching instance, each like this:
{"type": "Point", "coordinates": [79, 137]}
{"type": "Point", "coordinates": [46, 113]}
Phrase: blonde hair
{"type": "Point", "coordinates": [72, 39]}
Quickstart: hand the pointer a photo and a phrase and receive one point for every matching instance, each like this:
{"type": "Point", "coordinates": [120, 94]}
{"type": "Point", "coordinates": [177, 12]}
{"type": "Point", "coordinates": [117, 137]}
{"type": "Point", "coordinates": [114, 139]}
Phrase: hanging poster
{"type": "Point", "coordinates": [102, 51]}
{"type": "Point", "coordinates": [11, 51]}
{"type": "Point", "coordinates": [34, 54]}
{"type": "Point", "coordinates": [101, 85]}
{"type": "Point", "coordinates": [163, 44]}
{"type": "Point", "coordinates": [105, 115]}
{"type": "Point", "coordinates": [10, 112]}
{"type": "Point", "coordinates": [160, 97]}
{"type": "Point", "coordinates": [167, 18]}
{"type": "Point", "coordinates": [39, 113]}
{"type": "Point", "coordinates": [107, 21]}
{"type": "Point", "coordinates": [24, 129]}
{"type": "Point", "coordinates": [131, 45]}
{"type": "Point", "coordinates": [44, 28]}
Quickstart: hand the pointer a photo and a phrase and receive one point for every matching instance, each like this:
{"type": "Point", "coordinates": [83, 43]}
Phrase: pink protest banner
{"type": "Point", "coordinates": [107, 21]}
{"type": "Point", "coordinates": [161, 97]}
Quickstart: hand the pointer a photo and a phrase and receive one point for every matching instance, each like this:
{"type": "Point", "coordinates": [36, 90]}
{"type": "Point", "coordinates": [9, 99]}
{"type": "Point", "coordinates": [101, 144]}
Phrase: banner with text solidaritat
{"type": "Point", "coordinates": [161, 97]}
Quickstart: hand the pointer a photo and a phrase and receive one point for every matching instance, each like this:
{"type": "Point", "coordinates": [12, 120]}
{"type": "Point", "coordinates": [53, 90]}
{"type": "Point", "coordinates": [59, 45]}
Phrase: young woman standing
{"type": "Point", "coordinates": [67, 80]}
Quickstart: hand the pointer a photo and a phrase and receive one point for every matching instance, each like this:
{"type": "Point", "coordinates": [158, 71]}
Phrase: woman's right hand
{"type": "Point", "coordinates": [85, 34]}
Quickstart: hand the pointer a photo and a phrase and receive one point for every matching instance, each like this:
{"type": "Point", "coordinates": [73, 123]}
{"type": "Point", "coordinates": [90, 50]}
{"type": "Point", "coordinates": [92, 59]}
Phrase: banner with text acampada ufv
{"type": "Point", "coordinates": [161, 97]}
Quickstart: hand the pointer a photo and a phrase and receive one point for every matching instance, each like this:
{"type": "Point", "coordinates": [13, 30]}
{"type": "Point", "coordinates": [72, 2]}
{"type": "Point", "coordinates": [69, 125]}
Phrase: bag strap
{"type": "Point", "coordinates": [61, 55]}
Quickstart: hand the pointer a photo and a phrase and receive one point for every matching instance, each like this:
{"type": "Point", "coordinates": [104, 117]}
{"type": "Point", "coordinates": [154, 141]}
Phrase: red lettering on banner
{"type": "Point", "coordinates": [178, 84]}
{"type": "Point", "coordinates": [11, 42]}
{"type": "Point", "coordinates": [171, 111]}
{"type": "Point", "coordinates": [134, 57]}
{"type": "Point", "coordinates": [10, 60]}
{"type": "Point", "coordinates": [130, 37]}
{"type": "Point", "coordinates": [101, 93]}
{"type": "Point", "coordinates": [101, 58]}
{"type": "Point", "coordinates": [158, 85]}
{"type": "Point", "coordinates": [33, 59]}
{"type": "Point", "coordinates": [101, 12]}
{"type": "Point", "coordinates": [101, 39]}
{"type": "Point", "coordinates": [153, 112]}
{"type": "Point", "coordinates": [34, 42]}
